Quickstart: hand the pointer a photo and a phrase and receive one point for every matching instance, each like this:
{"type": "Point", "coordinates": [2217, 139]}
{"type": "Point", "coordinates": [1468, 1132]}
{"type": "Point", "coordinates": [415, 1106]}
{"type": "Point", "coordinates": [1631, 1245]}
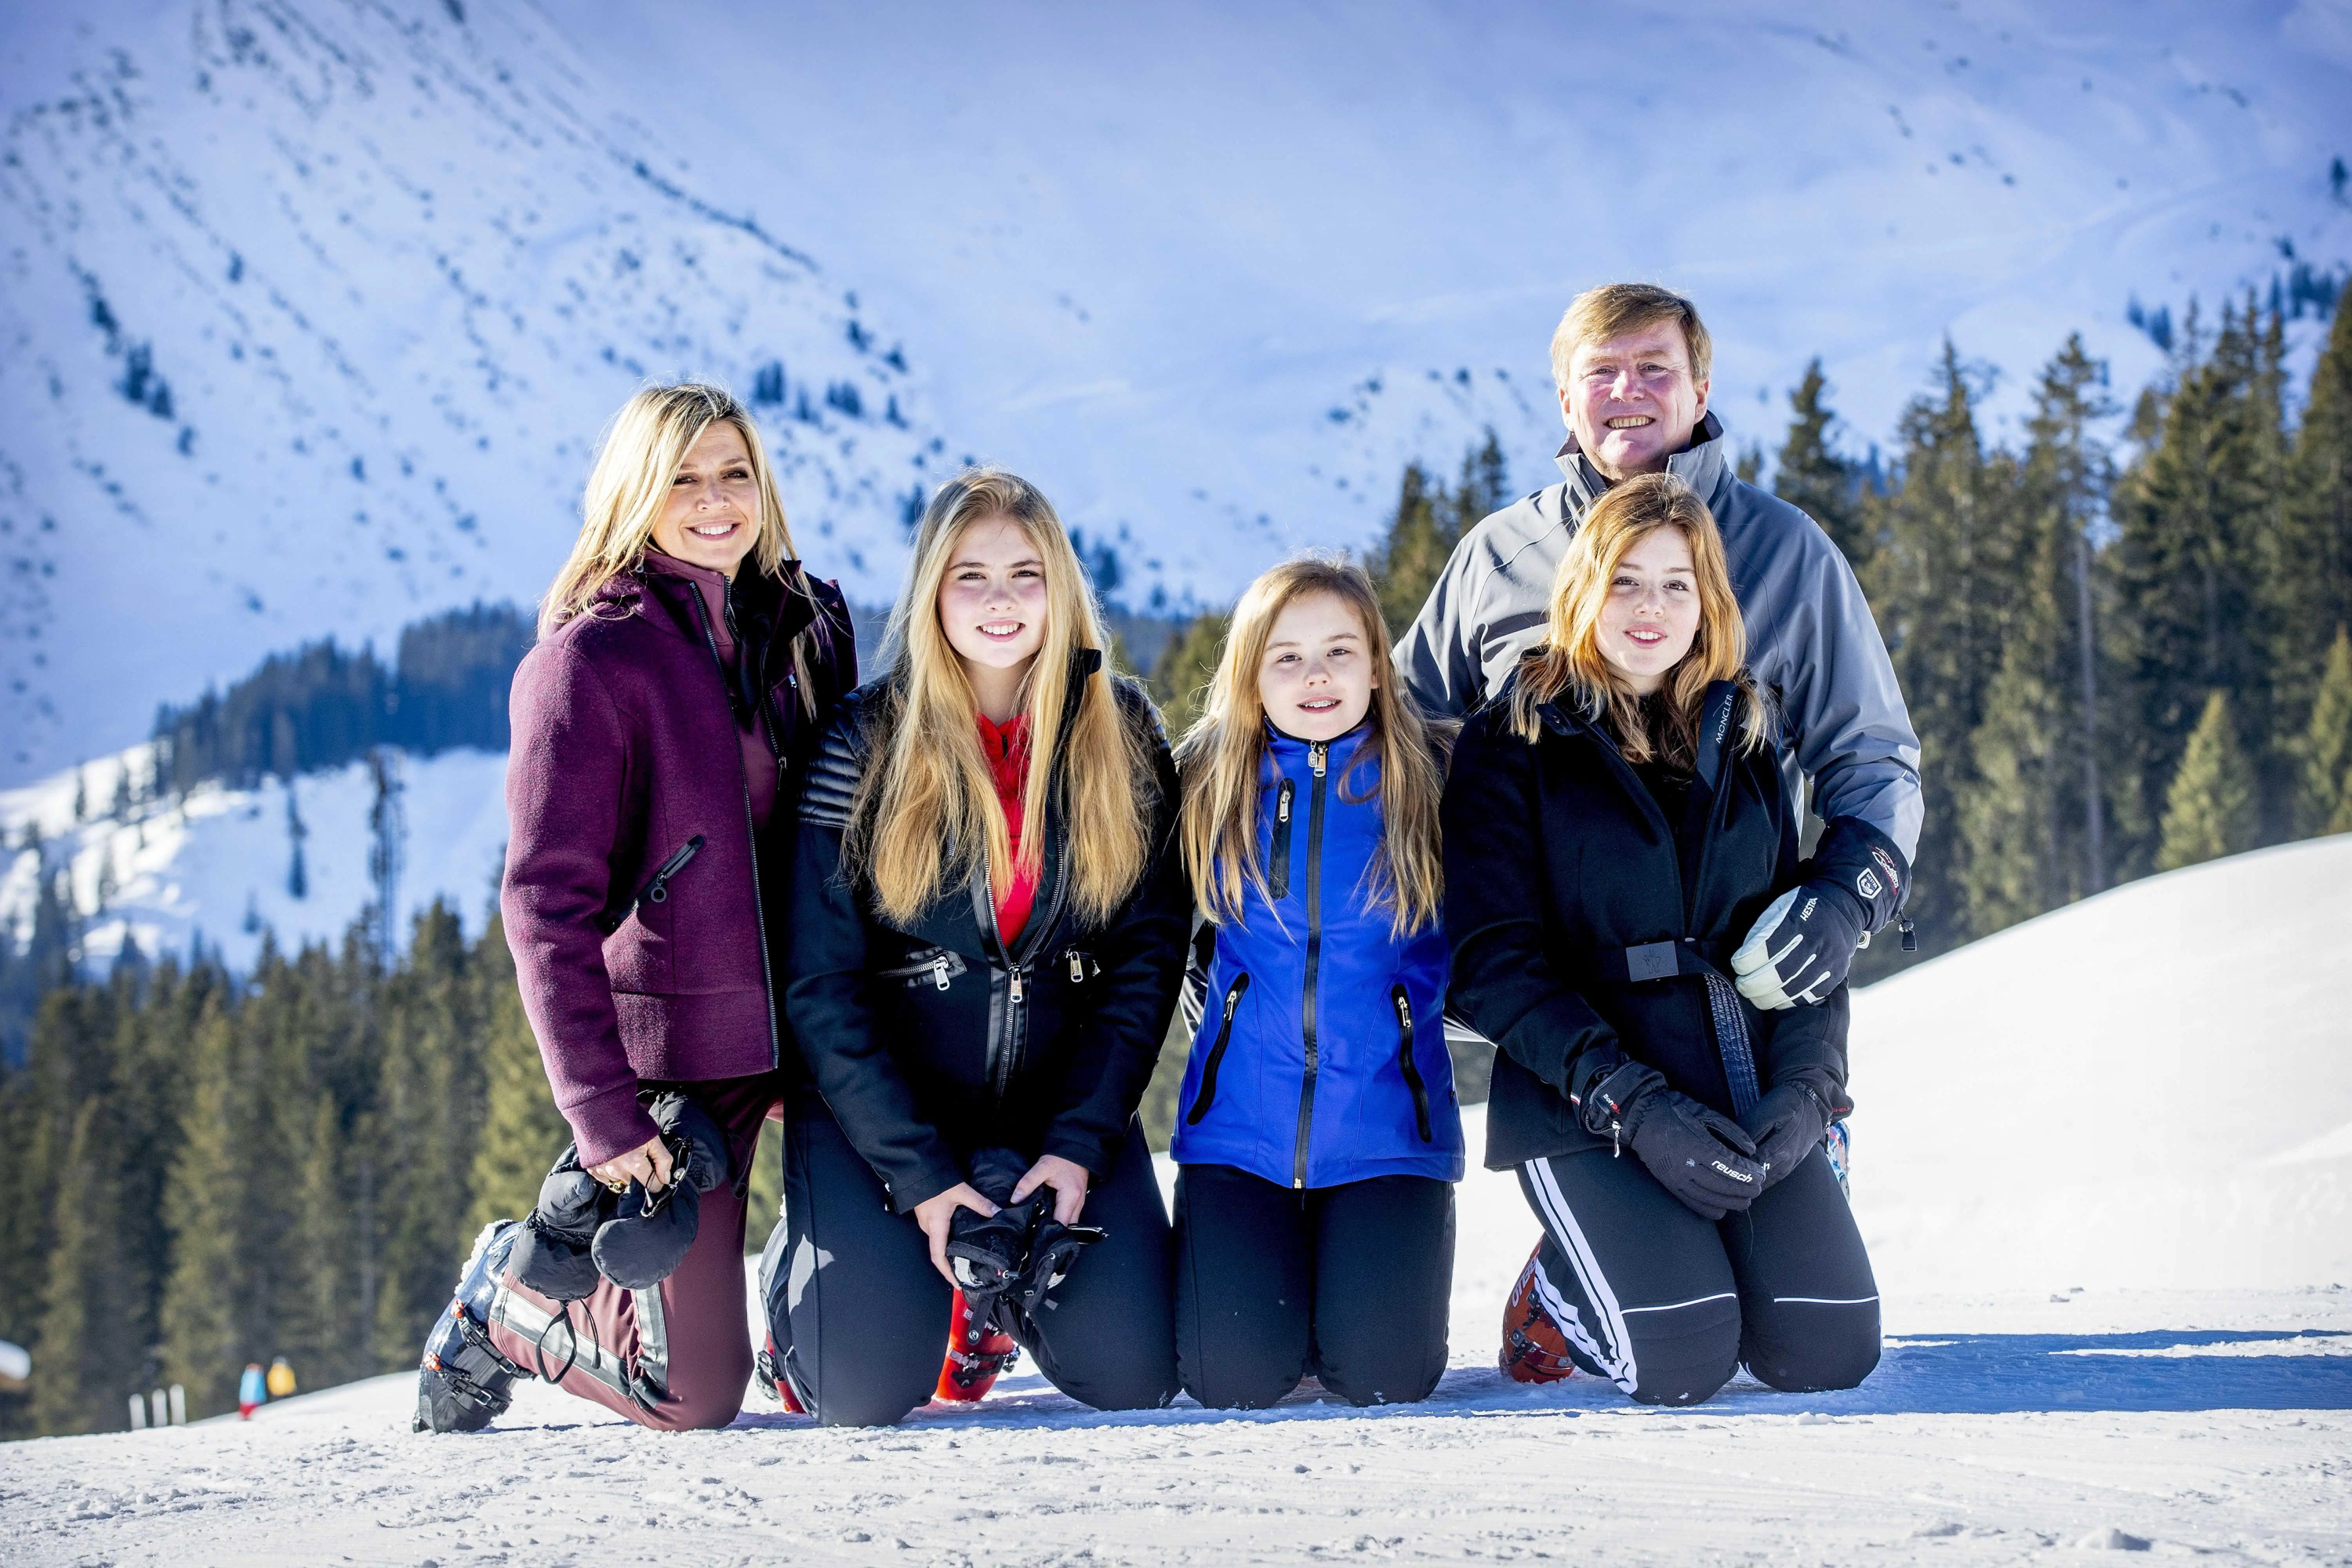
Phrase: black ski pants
{"type": "Point", "coordinates": [1349, 1282]}
{"type": "Point", "coordinates": [1667, 1306]}
{"type": "Point", "coordinates": [860, 1317]}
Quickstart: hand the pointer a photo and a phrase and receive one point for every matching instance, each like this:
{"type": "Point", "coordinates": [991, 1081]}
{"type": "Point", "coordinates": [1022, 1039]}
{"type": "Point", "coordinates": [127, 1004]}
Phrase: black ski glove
{"type": "Point", "coordinates": [1787, 1124]}
{"type": "Point", "coordinates": [1802, 945]}
{"type": "Point", "coordinates": [1703, 1158]}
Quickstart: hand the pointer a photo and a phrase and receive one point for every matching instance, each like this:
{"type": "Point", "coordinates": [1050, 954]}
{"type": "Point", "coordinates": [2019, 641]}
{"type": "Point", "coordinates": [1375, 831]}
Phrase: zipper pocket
{"type": "Point", "coordinates": [1403, 1004]}
{"type": "Point", "coordinates": [937, 965]}
{"type": "Point", "coordinates": [1278, 870]}
{"type": "Point", "coordinates": [1217, 1052]}
{"type": "Point", "coordinates": [1082, 966]}
{"type": "Point", "coordinates": [656, 888]}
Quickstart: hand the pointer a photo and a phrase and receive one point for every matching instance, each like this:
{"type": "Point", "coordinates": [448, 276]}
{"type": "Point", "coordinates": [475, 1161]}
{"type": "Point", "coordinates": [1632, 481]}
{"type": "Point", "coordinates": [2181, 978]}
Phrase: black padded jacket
{"type": "Point", "coordinates": [1582, 922]}
{"type": "Point", "coordinates": [931, 1040]}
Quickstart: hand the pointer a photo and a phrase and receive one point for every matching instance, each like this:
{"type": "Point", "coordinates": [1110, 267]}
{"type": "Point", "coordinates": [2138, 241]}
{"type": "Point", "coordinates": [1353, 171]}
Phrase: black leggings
{"type": "Point", "coordinates": [860, 1317]}
{"type": "Point", "coordinates": [1667, 1306]}
{"type": "Point", "coordinates": [1351, 1282]}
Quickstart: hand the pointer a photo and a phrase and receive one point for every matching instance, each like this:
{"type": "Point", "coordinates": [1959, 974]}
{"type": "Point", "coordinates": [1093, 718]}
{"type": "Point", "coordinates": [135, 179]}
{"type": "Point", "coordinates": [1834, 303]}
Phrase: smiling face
{"type": "Point", "coordinates": [1315, 677]}
{"type": "Point", "coordinates": [1630, 401]}
{"type": "Point", "coordinates": [711, 515]}
{"type": "Point", "coordinates": [1651, 614]}
{"type": "Point", "coordinates": [993, 610]}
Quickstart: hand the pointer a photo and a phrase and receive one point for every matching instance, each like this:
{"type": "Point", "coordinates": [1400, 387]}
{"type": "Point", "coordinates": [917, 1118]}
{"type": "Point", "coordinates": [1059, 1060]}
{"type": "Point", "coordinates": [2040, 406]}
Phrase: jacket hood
{"type": "Point", "coordinates": [1702, 465]}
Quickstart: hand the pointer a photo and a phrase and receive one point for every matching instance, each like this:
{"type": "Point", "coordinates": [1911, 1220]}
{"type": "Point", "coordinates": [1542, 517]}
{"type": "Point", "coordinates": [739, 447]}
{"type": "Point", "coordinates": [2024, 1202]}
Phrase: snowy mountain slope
{"type": "Point", "coordinates": [313, 314]}
{"type": "Point", "coordinates": [1997, 1428]}
{"type": "Point", "coordinates": [2150, 1087]}
{"type": "Point", "coordinates": [221, 866]}
{"type": "Point", "coordinates": [1211, 273]}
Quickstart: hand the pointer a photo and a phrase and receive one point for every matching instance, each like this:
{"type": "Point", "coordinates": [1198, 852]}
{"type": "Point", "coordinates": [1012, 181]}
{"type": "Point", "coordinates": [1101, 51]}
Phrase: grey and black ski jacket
{"type": "Point", "coordinates": [1810, 639]}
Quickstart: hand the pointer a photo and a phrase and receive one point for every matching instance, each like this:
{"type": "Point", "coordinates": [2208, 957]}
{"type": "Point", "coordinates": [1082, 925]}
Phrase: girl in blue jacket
{"type": "Point", "coordinates": [1317, 1136]}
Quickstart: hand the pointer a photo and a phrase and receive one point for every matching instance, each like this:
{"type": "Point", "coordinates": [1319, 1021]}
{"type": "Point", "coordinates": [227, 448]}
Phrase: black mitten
{"type": "Point", "coordinates": [649, 1235]}
{"type": "Point", "coordinates": [552, 1253]}
{"type": "Point", "coordinates": [1702, 1157]}
{"type": "Point", "coordinates": [1787, 1125]}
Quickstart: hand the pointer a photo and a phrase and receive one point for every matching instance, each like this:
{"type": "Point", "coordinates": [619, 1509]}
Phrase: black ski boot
{"type": "Point", "coordinates": [463, 1382]}
{"type": "Point", "coordinates": [649, 1233]}
{"type": "Point", "coordinates": [552, 1253]}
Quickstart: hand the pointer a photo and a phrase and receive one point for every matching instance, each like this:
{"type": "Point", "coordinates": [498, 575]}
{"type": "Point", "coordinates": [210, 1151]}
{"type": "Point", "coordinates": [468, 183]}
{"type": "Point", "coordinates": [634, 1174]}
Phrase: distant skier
{"type": "Point", "coordinates": [661, 727]}
{"type": "Point", "coordinates": [1317, 1135]}
{"type": "Point", "coordinates": [252, 1391]}
{"type": "Point", "coordinates": [1614, 822]}
{"type": "Point", "coordinates": [281, 1379]}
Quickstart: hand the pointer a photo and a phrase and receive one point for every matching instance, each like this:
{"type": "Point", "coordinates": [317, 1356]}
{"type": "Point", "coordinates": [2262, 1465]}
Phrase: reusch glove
{"type": "Point", "coordinates": [1703, 1158]}
{"type": "Point", "coordinates": [1801, 947]}
{"type": "Point", "coordinates": [1787, 1124]}
{"type": "Point", "coordinates": [649, 1236]}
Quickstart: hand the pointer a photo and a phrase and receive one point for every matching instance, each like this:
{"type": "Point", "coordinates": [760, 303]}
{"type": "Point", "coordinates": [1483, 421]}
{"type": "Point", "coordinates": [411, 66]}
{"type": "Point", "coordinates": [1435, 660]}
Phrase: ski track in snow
{"type": "Point", "coordinates": [1999, 1427]}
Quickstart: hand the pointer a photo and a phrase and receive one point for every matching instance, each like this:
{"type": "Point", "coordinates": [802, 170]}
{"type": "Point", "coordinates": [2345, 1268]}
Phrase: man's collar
{"type": "Point", "coordinates": [1699, 465]}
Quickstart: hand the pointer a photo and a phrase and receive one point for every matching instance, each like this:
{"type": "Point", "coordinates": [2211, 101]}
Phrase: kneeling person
{"type": "Point", "coordinates": [1317, 1137]}
{"type": "Point", "coordinates": [1614, 822]}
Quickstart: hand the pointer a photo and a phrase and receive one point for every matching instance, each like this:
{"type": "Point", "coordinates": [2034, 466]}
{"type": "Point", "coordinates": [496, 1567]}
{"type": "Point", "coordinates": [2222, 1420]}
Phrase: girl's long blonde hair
{"type": "Point", "coordinates": [643, 447]}
{"type": "Point", "coordinates": [1568, 664]}
{"type": "Point", "coordinates": [926, 810]}
{"type": "Point", "coordinates": [1222, 760]}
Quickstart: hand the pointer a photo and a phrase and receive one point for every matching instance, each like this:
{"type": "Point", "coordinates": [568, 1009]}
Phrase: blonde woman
{"type": "Point", "coordinates": [1317, 1136]}
{"type": "Point", "coordinates": [1614, 821]}
{"type": "Point", "coordinates": [662, 725]}
{"type": "Point", "coordinates": [988, 933]}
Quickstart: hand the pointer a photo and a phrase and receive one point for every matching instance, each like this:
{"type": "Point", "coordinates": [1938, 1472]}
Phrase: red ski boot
{"type": "Point", "coordinates": [1533, 1350]}
{"type": "Point", "coordinates": [976, 1352]}
{"type": "Point", "coordinates": [767, 1367]}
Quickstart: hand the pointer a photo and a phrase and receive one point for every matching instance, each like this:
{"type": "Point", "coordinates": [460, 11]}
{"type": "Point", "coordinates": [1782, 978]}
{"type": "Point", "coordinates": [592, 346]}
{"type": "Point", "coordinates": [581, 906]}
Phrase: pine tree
{"type": "Point", "coordinates": [1813, 477]}
{"type": "Point", "coordinates": [2311, 574]}
{"type": "Point", "coordinates": [2326, 749]}
{"type": "Point", "coordinates": [521, 1130]}
{"type": "Point", "coordinates": [91, 1354]}
{"type": "Point", "coordinates": [1412, 554]}
{"type": "Point", "coordinates": [2211, 810]}
{"type": "Point", "coordinates": [206, 1299]}
{"type": "Point", "coordinates": [1941, 580]}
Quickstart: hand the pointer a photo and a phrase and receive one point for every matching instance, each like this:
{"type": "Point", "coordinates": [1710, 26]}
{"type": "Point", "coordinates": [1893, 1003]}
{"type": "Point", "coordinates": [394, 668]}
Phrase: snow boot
{"type": "Point", "coordinates": [551, 1256]}
{"type": "Point", "coordinates": [1533, 1350]}
{"type": "Point", "coordinates": [649, 1234]}
{"type": "Point", "coordinates": [978, 1351]}
{"type": "Point", "coordinates": [464, 1381]}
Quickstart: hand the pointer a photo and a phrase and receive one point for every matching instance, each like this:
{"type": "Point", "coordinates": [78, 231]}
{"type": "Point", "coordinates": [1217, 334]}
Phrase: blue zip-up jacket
{"type": "Point", "coordinates": [1321, 1057]}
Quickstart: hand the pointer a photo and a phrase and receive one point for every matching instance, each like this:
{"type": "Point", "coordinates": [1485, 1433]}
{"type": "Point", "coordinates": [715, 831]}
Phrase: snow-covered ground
{"type": "Point", "coordinates": [2101, 1163]}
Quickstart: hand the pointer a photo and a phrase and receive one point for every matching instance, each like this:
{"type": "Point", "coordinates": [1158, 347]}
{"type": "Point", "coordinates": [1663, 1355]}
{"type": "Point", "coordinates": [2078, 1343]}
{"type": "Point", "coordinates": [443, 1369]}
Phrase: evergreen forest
{"type": "Point", "coordinates": [2123, 641]}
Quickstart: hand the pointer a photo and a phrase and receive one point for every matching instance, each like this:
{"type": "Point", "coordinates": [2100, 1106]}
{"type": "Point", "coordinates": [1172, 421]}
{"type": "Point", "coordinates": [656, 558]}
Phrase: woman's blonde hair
{"type": "Point", "coordinates": [644, 447]}
{"type": "Point", "coordinates": [1222, 759]}
{"type": "Point", "coordinates": [926, 810]}
{"type": "Point", "coordinates": [1568, 664]}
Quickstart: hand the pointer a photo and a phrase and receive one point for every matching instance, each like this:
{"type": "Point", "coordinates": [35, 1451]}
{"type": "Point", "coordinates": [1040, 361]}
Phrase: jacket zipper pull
{"type": "Point", "coordinates": [1282, 807]}
{"type": "Point", "coordinates": [1078, 967]}
{"type": "Point", "coordinates": [1315, 757]}
{"type": "Point", "coordinates": [1016, 984]}
{"type": "Point", "coordinates": [939, 972]}
{"type": "Point", "coordinates": [1910, 938]}
{"type": "Point", "coordinates": [1616, 1145]}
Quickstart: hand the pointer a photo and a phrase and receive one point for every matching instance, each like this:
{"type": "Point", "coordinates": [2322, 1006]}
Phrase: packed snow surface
{"type": "Point", "coordinates": [2000, 1427]}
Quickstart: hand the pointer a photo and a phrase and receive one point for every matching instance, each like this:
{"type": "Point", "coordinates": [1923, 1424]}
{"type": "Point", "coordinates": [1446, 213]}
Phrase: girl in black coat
{"type": "Point", "coordinates": [988, 933]}
{"type": "Point", "coordinates": [1614, 821]}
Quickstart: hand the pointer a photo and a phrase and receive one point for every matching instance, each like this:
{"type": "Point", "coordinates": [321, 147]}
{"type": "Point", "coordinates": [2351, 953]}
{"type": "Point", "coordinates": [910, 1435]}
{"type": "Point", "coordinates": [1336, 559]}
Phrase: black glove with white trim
{"type": "Point", "coordinates": [1703, 1158]}
{"type": "Point", "coordinates": [1802, 945]}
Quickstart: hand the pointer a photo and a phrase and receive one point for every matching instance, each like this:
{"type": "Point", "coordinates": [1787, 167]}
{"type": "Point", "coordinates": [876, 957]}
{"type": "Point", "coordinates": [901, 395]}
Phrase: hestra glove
{"type": "Point", "coordinates": [1703, 1158]}
{"type": "Point", "coordinates": [1787, 1124]}
{"type": "Point", "coordinates": [1802, 945]}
